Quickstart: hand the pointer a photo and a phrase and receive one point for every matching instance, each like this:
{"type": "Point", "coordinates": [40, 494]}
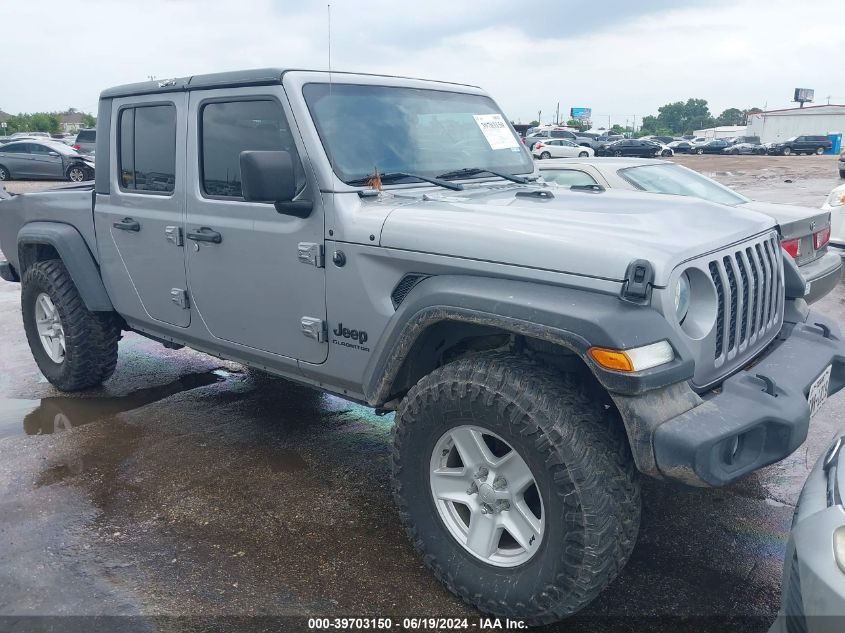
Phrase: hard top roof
{"type": "Point", "coordinates": [229, 79]}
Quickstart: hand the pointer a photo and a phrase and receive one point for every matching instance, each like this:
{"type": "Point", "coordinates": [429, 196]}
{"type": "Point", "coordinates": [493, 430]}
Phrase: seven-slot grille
{"type": "Point", "coordinates": [748, 284]}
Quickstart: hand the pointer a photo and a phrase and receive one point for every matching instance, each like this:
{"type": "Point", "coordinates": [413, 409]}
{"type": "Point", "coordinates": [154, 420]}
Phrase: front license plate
{"type": "Point", "coordinates": [818, 391]}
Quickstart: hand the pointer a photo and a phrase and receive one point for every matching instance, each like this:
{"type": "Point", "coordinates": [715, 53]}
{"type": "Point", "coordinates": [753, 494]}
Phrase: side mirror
{"type": "Point", "coordinates": [270, 177]}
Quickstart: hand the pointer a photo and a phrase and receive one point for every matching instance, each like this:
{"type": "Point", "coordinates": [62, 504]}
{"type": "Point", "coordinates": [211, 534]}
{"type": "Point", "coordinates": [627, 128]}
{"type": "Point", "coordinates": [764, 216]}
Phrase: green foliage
{"type": "Point", "coordinates": [731, 116]}
{"type": "Point", "coordinates": [579, 124]}
{"type": "Point", "coordinates": [41, 122]}
{"type": "Point", "coordinates": [616, 129]}
{"type": "Point", "coordinates": [534, 123]}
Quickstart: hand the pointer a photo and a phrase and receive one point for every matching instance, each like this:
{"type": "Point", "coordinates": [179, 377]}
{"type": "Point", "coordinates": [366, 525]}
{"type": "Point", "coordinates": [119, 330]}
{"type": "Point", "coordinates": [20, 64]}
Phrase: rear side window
{"type": "Point", "coordinates": [86, 136]}
{"type": "Point", "coordinates": [231, 127]}
{"type": "Point", "coordinates": [147, 148]}
{"type": "Point", "coordinates": [14, 148]}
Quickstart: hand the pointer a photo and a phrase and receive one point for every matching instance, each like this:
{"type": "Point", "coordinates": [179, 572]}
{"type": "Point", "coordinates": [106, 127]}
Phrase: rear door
{"type": "Point", "coordinates": [139, 224]}
{"type": "Point", "coordinates": [15, 157]}
{"type": "Point", "coordinates": [256, 284]}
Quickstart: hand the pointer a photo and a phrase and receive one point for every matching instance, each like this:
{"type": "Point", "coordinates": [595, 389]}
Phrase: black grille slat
{"type": "Point", "coordinates": [720, 309]}
{"type": "Point", "coordinates": [734, 307]}
{"type": "Point", "coordinates": [746, 294]}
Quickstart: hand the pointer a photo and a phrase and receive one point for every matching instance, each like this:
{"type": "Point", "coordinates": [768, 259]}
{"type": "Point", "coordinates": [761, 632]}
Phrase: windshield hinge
{"type": "Point", "coordinates": [314, 327]}
{"type": "Point", "coordinates": [311, 253]}
{"type": "Point", "coordinates": [180, 297]}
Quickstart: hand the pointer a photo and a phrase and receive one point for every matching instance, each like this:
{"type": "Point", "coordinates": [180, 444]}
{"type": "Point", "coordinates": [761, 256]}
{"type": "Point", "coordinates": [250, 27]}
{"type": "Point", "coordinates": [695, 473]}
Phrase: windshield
{"type": "Point", "coordinates": [425, 132]}
{"type": "Point", "coordinates": [677, 180]}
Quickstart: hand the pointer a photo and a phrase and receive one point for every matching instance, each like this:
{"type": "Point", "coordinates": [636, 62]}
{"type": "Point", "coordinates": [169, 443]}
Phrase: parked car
{"type": "Point", "coordinates": [712, 146]}
{"type": "Point", "coordinates": [86, 141]}
{"type": "Point", "coordinates": [560, 148]}
{"type": "Point", "coordinates": [804, 232]}
{"type": "Point", "coordinates": [842, 164]}
{"type": "Point", "coordinates": [663, 140]}
{"type": "Point", "coordinates": [578, 139]}
{"type": "Point", "coordinates": [835, 204]}
{"type": "Point", "coordinates": [801, 145]}
{"type": "Point", "coordinates": [44, 159]}
{"type": "Point", "coordinates": [39, 135]}
{"type": "Point", "coordinates": [813, 589]}
{"type": "Point", "coordinates": [744, 148]}
{"type": "Point", "coordinates": [502, 321]}
{"type": "Point", "coordinates": [629, 147]}
{"type": "Point", "coordinates": [680, 147]}
{"type": "Point", "coordinates": [754, 140]}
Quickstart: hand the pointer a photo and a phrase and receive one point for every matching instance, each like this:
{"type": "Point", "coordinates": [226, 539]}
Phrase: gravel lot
{"type": "Point", "coordinates": [192, 487]}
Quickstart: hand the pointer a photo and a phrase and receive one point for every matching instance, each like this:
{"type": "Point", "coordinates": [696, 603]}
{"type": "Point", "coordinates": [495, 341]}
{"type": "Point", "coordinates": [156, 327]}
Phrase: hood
{"type": "Point", "coordinates": [793, 220]}
{"type": "Point", "coordinates": [590, 234]}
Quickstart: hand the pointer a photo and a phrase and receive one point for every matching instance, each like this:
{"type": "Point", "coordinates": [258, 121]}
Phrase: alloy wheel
{"type": "Point", "coordinates": [486, 496]}
{"type": "Point", "coordinates": [50, 329]}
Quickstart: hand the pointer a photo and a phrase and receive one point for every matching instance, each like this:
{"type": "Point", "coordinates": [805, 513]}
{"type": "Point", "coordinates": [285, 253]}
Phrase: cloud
{"type": "Point", "coordinates": [620, 58]}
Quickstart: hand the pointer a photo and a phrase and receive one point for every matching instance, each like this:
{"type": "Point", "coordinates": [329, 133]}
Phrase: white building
{"type": "Point", "coordinates": [777, 125]}
{"type": "Point", "coordinates": [723, 131]}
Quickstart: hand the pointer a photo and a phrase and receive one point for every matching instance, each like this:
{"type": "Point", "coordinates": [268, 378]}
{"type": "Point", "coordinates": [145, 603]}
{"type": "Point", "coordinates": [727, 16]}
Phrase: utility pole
{"type": "Point", "coordinates": [539, 117]}
{"type": "Point", "coordinates": [557, 114]}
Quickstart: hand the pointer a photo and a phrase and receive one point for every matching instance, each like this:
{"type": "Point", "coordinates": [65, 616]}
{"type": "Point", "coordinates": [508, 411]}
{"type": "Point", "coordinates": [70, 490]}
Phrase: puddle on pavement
{"type": "Point", "coordinates": [60, 413]}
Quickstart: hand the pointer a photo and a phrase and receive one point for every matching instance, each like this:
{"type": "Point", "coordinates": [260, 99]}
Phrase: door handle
{"type": "Point", "coordinates": [205, 234]}
{"type": "Point", "coordinates": [127, 224]}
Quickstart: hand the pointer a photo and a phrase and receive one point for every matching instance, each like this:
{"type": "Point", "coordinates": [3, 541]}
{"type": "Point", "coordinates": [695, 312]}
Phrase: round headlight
{"type": "Point", "coordinates": [682, 297]}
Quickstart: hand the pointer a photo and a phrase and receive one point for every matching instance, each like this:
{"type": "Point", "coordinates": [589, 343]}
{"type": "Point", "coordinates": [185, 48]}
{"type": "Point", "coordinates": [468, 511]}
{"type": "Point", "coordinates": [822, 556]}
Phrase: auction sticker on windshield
{"type": "Point", "coordinates": [496, 131]}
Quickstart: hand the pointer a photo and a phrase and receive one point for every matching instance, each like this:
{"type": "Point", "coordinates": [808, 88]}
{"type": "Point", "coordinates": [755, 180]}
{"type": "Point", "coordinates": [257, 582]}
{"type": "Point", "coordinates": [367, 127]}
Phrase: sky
{"type": "Point", "coordinates": [622, 58]}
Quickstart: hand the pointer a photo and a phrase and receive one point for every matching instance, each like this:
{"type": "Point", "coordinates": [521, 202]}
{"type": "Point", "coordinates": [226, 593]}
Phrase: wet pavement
{"type": "Point", "coordinates": [192, 487]}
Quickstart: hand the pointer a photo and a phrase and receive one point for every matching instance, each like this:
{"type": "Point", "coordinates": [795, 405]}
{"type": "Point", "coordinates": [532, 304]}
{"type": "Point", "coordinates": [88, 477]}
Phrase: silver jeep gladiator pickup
{"type": "Point", "coordinates": [384, 239]}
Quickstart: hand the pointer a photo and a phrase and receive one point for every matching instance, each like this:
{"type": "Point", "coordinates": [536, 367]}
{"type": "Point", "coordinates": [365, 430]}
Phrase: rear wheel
{"type": "Point", "coordinates": [819, 151]}
{"type": "Point", "coordinates": [518, 491]}
{"type": "Point", "coordinates": [842, 173]}
{"type": "Point", "coordinates": [4, 173]}
{"type": "Point", "coordinates": [617, 153]}
{"type": "Point", "coordinates": [73, 347]}
{"type": "Point", "coordinates": [699, 151]}
{"type": "Point", "coordinates": [666, 152]}
{"type": "Point", "coordinates": [545, 155]}
{"type": "Point", "coordinates": [787, 151]}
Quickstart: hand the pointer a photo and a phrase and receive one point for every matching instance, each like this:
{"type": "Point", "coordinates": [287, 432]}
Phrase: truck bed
{"type": "Point", "coordinates": [70, 204]}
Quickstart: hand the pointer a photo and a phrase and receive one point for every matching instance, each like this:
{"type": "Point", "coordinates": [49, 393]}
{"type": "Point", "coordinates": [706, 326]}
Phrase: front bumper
{"type": "Point", "coordinates": [822, 275]}
{"type": "Point", "coordinates": [7, 272]}
{"type": "Point", "coordinates": [758, 416]}
{"type": "Point", "coordinates": [813, 596]}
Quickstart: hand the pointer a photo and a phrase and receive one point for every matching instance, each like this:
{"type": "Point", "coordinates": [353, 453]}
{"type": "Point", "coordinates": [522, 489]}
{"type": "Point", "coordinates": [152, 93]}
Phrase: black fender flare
{"type": "Point", "coordinates": [75, 255]}
{"type": "Point", "coordinates": [573, 318]}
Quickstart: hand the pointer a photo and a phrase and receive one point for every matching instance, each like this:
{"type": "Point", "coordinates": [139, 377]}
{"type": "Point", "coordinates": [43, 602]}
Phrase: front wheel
{"type": "Point", "coordinates": [4, 173]}
{"type": "Point", "coordinates": [73, 347]}
{"type": "Point", "coordinates": [518, 491]}
{"type": "Point", "coordinates": [583, 154]}
{"type": "Point", "coordinates": [617, 153]}
{"type": "Point", "coordinates": [699, 151]}
{"type": "Point", "coordinates": [666, 152]}
{"type": "Point", "coordinates": [786, 151]}
{"type": "Point", "coordinates": [842, 173]}
{"type": "Point", "coordinates": [76, 173]}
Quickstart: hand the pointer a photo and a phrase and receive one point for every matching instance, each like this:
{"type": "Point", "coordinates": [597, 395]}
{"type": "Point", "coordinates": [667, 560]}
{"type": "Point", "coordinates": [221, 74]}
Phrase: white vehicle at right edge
{"type": "Point", "coordinates": [835, 203]}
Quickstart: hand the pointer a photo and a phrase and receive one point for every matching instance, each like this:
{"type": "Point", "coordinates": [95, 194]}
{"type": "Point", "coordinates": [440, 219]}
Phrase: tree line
{"type": "Point", "coordinates": [43, 122]}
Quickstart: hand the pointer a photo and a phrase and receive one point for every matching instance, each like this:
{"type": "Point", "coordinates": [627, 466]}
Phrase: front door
{"type": "Point", "coordinates": [139, 222]}
{"type": "Point", "coordinates": [46, 162]}
{"type": "Point", "coordinates": [247, 282]}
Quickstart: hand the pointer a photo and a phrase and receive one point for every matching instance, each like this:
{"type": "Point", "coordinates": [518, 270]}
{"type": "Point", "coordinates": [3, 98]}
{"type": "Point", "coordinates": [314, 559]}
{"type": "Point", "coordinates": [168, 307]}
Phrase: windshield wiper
{"type": "Point", "coordinates": [472, 171]}
{"type": "Point", "coordinates": [401, 175]}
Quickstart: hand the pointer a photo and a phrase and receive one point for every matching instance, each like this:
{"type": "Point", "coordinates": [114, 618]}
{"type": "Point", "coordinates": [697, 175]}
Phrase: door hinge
{"type": "Point", "coordinates": [315, 328]}
{"type": "Point", "coordinates": [179, 297]}
{"type": "Point", "coordinates": [311, 253]}
{"type": "Point", "coordinates": [174, 234]}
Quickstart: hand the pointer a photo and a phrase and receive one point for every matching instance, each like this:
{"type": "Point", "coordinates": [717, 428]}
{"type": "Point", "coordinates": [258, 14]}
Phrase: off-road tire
{"type": "Point", "coordinates": [5, 174]}
{"type": "Point", "coordinates": [90, 337]}
{"type": "Point", "coordinates": [583, 469]}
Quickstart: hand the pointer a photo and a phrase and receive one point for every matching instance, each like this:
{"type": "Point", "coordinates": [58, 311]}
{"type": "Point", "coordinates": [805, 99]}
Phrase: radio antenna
{"type": "Point", "coordinates": [329, 15]}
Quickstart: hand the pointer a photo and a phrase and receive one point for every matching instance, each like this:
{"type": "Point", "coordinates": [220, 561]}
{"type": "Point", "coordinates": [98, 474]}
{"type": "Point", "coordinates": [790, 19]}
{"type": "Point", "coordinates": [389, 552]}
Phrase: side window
{"type": "Point", "coordinates": [568, 177]}
{"type": "Point", "coordinates": [231, 127]}
{"type": "Point", "coordinates": [147, 148]}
